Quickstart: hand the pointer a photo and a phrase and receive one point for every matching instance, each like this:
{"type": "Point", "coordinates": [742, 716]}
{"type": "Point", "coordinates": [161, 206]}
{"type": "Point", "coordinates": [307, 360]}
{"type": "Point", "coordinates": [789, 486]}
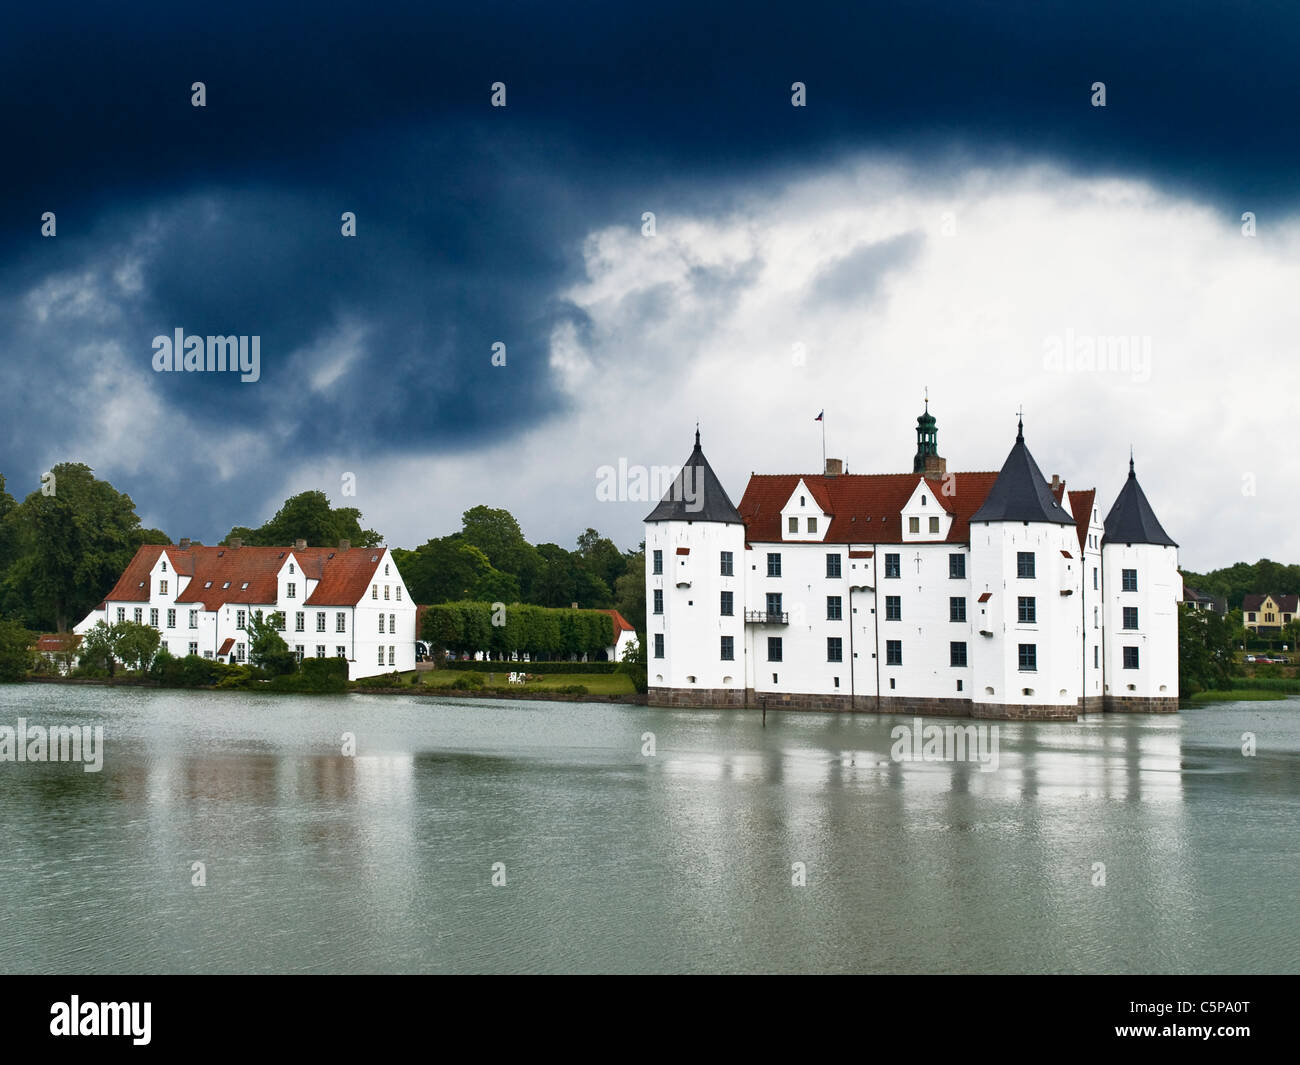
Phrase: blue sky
{"type": "Point", "coordinates": [946, 210]}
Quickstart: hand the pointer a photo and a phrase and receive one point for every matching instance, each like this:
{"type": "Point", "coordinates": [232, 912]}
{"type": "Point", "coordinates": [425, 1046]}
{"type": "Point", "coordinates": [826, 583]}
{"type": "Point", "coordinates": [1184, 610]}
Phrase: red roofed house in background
{"type": "Point", "coordinates": [986, 594]}
{"type": "Point", "coordinates": [345, 602]}
{"type": "Point", "coordinates": [624, 637]}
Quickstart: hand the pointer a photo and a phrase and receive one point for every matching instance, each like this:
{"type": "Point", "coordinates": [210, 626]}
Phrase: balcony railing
{"type": "Point", "coordinates": [764, 617]}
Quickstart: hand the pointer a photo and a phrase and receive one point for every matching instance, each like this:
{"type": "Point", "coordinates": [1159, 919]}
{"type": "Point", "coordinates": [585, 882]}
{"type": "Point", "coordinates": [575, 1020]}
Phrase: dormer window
{"type": "Point", "coordinates": [226, 585]}
{"type": "Point", "coordinates": [207, 584]}
{"type": "Point", "coordinates": [913, 525]}
{"type": "Point", "coordinates": [812, 525]}
{"type": "Point", "coordinates": [244, 586]}
{"type": "Point", "coordinates": [923, 501]}
{"type": "Point", "coordinates": [794, 525]}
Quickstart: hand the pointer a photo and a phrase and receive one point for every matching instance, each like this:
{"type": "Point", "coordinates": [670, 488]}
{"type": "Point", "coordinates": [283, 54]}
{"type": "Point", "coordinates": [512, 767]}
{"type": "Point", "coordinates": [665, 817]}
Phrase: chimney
{"type": "Point", "coordinates": [185, 543]}
{"type": "Point", "coordinates": [1056, 482]}
{"type": "Point", "coordinates": [345, 545]}
{"type": "Point", "coordinates": [235, 542]}
{"type": "Point", "coordinates": [834, 467]}
{"type": "Point", "coordinates": [300, 545]}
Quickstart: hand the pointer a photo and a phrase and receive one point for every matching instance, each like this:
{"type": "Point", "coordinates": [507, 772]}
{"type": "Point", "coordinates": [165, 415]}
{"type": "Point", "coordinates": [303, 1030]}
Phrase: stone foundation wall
{"type": "Point", "coordinates": [1119, 704]}
{"type": "Point", "coordinates": [1093, 704]}
{"type": "Point", "coordinates": [706, 698]}
{"type": "Point", "coordinates": [1028, 712]}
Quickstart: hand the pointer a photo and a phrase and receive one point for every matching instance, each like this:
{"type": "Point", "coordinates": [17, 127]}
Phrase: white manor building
{"type": "Point", "coordinates": [995, 595]}
{"type": "Point", "coordinates": [345, 602]}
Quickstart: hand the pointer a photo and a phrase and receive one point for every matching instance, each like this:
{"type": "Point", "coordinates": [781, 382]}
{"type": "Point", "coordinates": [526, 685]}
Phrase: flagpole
{"type": "Point", "coordinates": [823, 441]}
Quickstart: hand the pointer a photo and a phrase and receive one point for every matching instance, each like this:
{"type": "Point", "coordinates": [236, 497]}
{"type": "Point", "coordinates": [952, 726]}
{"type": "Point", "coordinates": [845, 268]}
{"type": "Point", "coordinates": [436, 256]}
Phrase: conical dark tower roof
{"type": "Point", "coordinates": [1131, 520]}
{"type": "Point", "coordinates": [707, 499]}
{"type": "Point", "coordinates": [1021, 492]}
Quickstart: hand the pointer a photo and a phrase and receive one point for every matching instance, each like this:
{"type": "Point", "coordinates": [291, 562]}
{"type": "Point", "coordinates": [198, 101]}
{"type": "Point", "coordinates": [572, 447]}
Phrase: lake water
{"type": "Point", "coordinates": [613, 861]}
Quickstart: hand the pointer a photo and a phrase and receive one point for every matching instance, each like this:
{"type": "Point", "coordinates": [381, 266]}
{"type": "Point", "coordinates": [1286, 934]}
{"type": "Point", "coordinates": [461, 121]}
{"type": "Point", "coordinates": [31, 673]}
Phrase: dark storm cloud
{"type": "Point", "coordinates": [470, 219]}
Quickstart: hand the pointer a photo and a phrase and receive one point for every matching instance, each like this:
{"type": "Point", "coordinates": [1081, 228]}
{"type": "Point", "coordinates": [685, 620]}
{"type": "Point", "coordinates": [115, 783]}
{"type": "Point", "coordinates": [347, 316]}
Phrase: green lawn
{"type": "Point", "coordinates": [595, 683]}
{"type": "Point", "coordinates": [1236, 695]}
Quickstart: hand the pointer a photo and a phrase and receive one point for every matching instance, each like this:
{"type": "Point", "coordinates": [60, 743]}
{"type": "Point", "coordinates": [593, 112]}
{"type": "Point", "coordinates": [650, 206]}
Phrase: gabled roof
{"type": "Point", "coordinates": [57, 642]}
{"type": "Point", "coordinates": [1021, 492]}
{"type": "Point", "coordinates": [696, 494]}
{"type": "Point", "coordinates": [1131, 520]}
{"type": "Point", "coordinates": [864, 508]}
{"type": "Point", "coordinates": [621, 623]}
{"type": "Point", "coordinates": [1081, 503]}
{"type": "Point", "coordinates": [219, 574]}
{"type": "Point", "coordinates": [1285, 603]}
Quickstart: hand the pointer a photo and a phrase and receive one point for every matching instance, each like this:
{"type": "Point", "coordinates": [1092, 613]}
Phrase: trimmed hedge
{"type": "Point", "coordinates": [1268, 684]}
{"type": "Point", "coordinates": [315, 675]}
{"type": "Point", "coordinates": [535, 630]}
{"type": "Point", "coordinates": [533, 667]}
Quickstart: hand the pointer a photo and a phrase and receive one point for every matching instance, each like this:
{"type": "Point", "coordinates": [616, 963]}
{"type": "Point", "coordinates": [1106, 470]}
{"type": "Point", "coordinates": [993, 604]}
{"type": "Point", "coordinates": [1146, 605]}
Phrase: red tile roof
{"type": "Point", "coordinates": [220, 573]}
{"type": "Point", "coordinates": [226, 645]}
{"type": "Point", "coordinates": [864, 508]}
{"type": "Point", "coordinates": [620, 622]}
{"type": "Point", "coordinates": [986, 597]}
{"type": "Point", "coordinates": [58, 641]}
{"type": "Point", "coordinates": [1081, 504]}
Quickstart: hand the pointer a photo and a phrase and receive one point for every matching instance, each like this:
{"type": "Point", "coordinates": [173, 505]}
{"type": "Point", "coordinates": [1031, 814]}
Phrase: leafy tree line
{"type": "Point", "coordinates": [63, 547]}
{"type": "Point", "coordinates": [1237, 581]}
{"type": "Point", "coordinates": [535, 630]}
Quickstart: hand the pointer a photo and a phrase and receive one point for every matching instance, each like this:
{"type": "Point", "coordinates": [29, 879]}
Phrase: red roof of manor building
{"type": "Point", "coordinates": [221, 575]}
{"type": "Point", "coordinates": [864, 508]}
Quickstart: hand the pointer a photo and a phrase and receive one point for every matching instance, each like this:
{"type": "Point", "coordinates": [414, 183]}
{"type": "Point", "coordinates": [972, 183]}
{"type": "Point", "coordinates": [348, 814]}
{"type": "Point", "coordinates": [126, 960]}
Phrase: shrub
{"type": "Point", "coordinates": [571, 689]}
{"type": "Point", "coordinates": [469, 682]}
{"type": "Point", "coordinates": [316, 675]}
{"type": "Point", "coordinates": [534, 667]}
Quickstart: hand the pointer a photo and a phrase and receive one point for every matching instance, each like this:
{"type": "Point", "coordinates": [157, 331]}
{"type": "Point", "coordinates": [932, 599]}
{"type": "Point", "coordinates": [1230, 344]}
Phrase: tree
{"type": "Point", "coordinates": [15, 650]}
{"type": "Point", "coordinates": [309, 516]}
{"type": "Point", "coordinates": [99, 648]}
{"type": "Point", "coordinates": [72, 546]}
{"type": "Point", "coordinates": [629, 590]}
{"type": "Point", "coordinates": [1205, 651]}
{"type": "Point", "coordinates": [266, 647]}
{"type": "Point", "coordinates": [600, 557]}
{"type": "Point", "coordinates": [136, 644]}
{"type": "Point", "coordinates": [496, 533]}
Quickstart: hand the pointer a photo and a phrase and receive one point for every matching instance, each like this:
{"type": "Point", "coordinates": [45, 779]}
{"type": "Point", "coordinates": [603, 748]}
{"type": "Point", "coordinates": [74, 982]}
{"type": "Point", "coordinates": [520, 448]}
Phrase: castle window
{"type": "Point", "coordinates": [774, 604]}
{"type": "Point", "coordinates": [1130, 580]}
{"type": "Point", "coordinates": [893, 608]}
{"type": "Point", "coordinates": [812, 525]}
{"type": "Point", "coordinates": [659, 645]}
{"type": "Point", "coordinates": [832, 565]}
{"type": "Point", "coordinates": [1028, 610]}
{"type": "Point", "coordinates": [893, 655]}
{"type": "Point", "coordinates": [1028, 657]}
{"type": "Point", "coordinates": [893, 567]}
{"type": "Point", "coordinates": [794, 525]}
{"type": "Point", "coordinates": [1094, 579]}
{"type": "Point", "coordinates": [833, 608]}
{"type": "Point", "coordinates": [1096, 657]}
{"type": "Point", "coordinates": [957, 567]}
{"type": "Point", "coordinates": [774, 648]}
{"type": "Point", "coordinates": [1130, 617]}
{"type": "Point", "coordinates": [1130, 658]}
{"type": "Point", "coordinates": [934, 525]}
{"type": "Point", "coordinates": [659, 601]}
{"type": "Point", "coordinates": [728, 649]}
{"type": "Point", "coordinates": [1025, 565]}
{"type": "Point", "coordinates": [773, 564]}
{"type": "Point", "coordinates": [957, 608]}
{"type": "Point", "coordinates": [659, 562]}
{"type": "Point", "coordinates": [959, 685]}
{"type": "Point", "coordinates": [834, 649]}
{"type": "Point", "coordinates": [727, 608]}
{"type": "Point", "coordinates": [727, 563]}
{"type": "Point", "coordinates": [957, 654]}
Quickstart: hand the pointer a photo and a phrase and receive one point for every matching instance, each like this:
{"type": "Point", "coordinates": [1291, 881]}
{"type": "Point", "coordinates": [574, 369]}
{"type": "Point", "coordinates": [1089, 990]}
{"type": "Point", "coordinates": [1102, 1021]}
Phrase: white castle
{"type": "Point", "coordinates": [992, 595]}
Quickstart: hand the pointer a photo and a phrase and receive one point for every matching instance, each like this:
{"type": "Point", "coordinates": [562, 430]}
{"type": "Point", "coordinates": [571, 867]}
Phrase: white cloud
{"type": "Point", "coordinates": [702, 320]}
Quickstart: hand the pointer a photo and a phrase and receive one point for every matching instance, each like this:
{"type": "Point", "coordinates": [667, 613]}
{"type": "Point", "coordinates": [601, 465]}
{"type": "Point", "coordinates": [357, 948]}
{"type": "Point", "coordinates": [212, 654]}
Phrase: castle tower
{"type": "Point", "coordinates": [1141, 589]}
{"type": "Point", "coordinates": [927, 460]}
{"type": "Point", "coordinates": [695, 592]}
{"type": "Point", "coordinates": [1026, 584]}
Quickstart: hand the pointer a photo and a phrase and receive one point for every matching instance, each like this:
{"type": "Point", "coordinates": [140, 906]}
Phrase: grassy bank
{"type": "Point", "coordinates": [595, 683]}
{"type": "Point", "coordinates": [1243, 695]}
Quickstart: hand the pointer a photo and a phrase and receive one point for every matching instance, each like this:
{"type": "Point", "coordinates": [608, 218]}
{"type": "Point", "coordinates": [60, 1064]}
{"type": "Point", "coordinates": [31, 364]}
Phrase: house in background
{"type": "Point", "coordinates": [1266, 614]}
{"type": "Point", "coordinates": [345, 602]}
{"type": "Point", "coordinates": [1198, 600]}
{"type": "Point", "coordinates": [624, 637]}
{"type": "Point", "coordinates": [59, 649]}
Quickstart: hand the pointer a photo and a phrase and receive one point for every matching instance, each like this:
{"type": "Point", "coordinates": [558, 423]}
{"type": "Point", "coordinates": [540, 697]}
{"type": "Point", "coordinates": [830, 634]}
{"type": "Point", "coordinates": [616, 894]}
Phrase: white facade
{"type": "Point", "coordinates": [999, 617]}
{"type": "Point", "coordinates": [201, 599]}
